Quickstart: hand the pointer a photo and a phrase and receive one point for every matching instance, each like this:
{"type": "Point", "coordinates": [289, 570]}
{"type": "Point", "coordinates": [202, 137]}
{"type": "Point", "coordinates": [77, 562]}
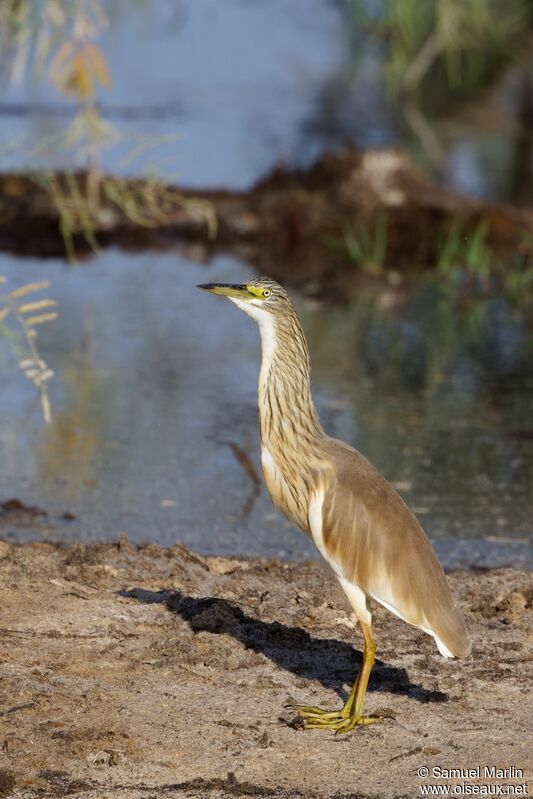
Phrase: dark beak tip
{"type": "Point", "coordinates": [213, 286]}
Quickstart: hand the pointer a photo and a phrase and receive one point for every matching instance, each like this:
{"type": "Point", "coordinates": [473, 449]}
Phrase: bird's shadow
{"type": "Point", "coordinates": [333, 663]}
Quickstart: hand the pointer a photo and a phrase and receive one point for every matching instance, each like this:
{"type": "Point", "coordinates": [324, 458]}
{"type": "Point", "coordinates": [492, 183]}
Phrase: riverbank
{"type": "Point", "coordinates": [350, 211]}
{"type": "Point", "coordinates": [143, 672]}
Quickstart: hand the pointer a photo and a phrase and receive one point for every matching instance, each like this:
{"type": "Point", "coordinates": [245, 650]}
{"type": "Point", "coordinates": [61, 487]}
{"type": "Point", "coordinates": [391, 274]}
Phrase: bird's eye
{"type": "Point", "coordinates": [267, 293]}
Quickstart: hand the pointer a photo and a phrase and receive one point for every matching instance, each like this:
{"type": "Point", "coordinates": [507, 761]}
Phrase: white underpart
{"type": "Point", "coordinates": [267, 328]}
{"type": "Point", "coordinates": [316, 526]}
{"type": "Point", "coordinates": [356, 595]}
{"type": "Point", "coordinates": [268, 461]}
{"type": "Point", "coordinates": [357, 599]}
{"type": "Point", "coordinates": [270, 467]}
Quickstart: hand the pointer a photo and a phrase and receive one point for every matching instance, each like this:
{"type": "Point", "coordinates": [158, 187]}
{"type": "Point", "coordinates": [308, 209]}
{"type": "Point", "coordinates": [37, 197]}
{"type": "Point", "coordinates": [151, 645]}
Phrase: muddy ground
{"type": "Point", "coordinates": [152, 672]}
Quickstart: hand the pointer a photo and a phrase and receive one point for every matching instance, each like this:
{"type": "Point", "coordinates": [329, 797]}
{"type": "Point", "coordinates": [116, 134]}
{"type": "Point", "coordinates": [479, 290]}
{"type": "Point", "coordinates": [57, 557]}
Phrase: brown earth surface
{"type": "Point", "coordinates": [149, 672]}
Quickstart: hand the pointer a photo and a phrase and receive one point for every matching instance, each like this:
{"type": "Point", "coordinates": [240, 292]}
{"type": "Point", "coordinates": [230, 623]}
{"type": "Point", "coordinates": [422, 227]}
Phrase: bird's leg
{"type": "Point", "coordinates": [308, 712]}
{"type": "Point", "coordinates": [351, 714]}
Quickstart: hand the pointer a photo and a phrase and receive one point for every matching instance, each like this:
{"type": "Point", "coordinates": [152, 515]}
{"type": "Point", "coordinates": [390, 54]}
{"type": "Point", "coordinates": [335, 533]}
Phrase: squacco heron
{"type": "Point", "coordinates": [359, 523]}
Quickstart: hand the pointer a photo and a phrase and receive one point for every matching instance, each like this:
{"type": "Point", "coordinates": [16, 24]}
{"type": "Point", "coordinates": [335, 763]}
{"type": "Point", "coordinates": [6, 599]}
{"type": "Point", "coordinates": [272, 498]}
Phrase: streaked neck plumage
{"type": "Point", "coordinates": [290, 429]}
{"type": "Point", "coordinates": [286, 410]}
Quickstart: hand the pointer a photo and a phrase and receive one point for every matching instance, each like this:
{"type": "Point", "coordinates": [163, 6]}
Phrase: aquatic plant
{"type": "Point", "coordinates": [146, 203]}
{"type": "Point", "coordinates": [471, 268]}
{"type": "Point", "coordinates": [462, 43]}
{"type": "Point", "coordinates": [466, 264]}
{"type": "Point", "coordinates": [18, 325]}
{"type": "Point", "coordinates": [58, 41]}
{"type": "Point", "coordinates": [365, 246]}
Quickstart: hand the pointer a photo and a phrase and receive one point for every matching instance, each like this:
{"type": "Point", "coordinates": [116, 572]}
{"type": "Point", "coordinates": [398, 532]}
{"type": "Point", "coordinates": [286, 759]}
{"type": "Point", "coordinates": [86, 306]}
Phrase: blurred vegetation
{"type": "Point", "coordinates": [431, 49]}
{"type": "Point", "coordinates": [83, 200]}
{"type": "Point", "coordinates": [58, 42]}
{"type": "Point", "coordinates": [470, 272]}
{"type": "Point", "coordinates": [445, 48]}
{"type": "Point", "coordinates": [51, 38]}
{"type": "Point", "coordinates": [468, 269]}
{"type": "Point", "coordinates": [19, 319]}
{"type": "Point", "coordinates": [365, 246]}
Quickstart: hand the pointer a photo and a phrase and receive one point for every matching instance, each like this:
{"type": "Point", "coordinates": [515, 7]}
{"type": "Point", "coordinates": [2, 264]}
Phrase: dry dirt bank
{"type": "Point", "coordinates": [151, 672]}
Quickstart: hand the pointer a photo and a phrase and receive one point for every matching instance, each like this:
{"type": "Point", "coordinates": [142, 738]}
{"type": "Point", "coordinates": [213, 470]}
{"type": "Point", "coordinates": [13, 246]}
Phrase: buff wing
{"type": "Point", "coordinates": [377, 544]}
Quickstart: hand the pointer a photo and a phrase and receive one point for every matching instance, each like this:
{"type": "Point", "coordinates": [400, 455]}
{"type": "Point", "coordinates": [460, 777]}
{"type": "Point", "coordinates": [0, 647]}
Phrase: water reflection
{"type": "Point", "coordinates": [155, 421]}
{"type": "Point", "coordinates": [437, 409]}
{"type": "Point", "coordinates": [155, 429]}
{"type": "Point", "coordinates": [303, 77]}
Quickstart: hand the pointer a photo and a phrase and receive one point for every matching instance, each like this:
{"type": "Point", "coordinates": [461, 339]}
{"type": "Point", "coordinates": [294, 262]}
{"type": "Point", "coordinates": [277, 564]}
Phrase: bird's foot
{"type": "Point", "coordinates": [338, 720]}
{"type": "Point", "coordinates": [310, 713]}
{"type": "Point", "coordinates": [339, 725]}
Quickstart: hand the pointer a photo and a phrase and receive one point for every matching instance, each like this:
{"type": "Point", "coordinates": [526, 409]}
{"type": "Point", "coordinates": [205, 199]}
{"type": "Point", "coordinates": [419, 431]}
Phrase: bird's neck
{"type": "Point", "coordinates": [286, 410]}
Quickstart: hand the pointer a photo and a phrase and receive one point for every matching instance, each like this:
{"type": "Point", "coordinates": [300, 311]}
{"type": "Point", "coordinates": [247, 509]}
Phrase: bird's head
{"type": "Point", "coordinates": [258, 297]}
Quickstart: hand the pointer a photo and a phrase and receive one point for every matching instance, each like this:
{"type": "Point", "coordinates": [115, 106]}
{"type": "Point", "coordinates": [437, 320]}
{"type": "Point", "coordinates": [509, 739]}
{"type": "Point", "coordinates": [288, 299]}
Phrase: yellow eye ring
{"type": "Point", "coordinates": [267, 293]}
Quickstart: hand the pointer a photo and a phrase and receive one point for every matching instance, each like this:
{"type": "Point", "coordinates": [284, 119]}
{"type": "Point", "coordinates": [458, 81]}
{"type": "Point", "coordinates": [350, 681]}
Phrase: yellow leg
{"type": "Point", "coordinates": [351, 714]}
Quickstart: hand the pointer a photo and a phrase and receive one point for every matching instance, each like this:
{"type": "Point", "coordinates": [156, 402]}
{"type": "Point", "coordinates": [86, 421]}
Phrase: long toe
{"type": "Point", "coordinates": [339, 725]}
{"type": "Point", "coordinates": [349, 724]}
{"type": "Point", "coordinates": [310, 712]}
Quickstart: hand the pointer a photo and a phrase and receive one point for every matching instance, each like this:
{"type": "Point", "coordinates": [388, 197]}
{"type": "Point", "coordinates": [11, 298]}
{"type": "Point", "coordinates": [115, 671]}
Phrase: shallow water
{"type": "Point", "coordinates": [155, 424]}
{"type": "Point", "coordinates": [241, 86]}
